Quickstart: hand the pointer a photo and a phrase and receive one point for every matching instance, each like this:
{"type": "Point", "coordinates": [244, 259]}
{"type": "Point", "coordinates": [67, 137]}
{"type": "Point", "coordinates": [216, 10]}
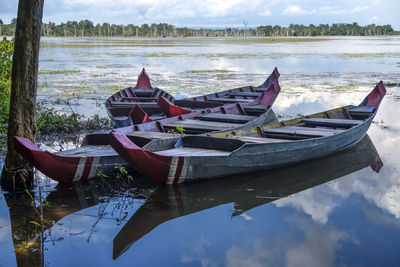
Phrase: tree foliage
{"type": "Point", "coordinates": [326, 30]}
{"type": "Point", "coordinates": [6, 52]}
{"type": "Point", "coordinates": [86, 28]}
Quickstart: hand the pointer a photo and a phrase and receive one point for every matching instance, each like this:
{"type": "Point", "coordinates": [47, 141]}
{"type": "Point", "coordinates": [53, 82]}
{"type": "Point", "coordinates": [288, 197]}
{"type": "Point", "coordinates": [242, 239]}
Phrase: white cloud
{"type": "Point", "coordinates": [246, 217]}
{"type": "Point", "coordinates": [296, 10]}
{"type": "Point", "coordinates": [335, 11]}
{"type": "Point", "coordinates": [266, 13]}
{"type": "Point", "coordinates": [318, 248]}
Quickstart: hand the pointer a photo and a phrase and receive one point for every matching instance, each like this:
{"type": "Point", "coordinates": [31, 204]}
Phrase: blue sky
{"type": "Point", "coordinates": [216, 13]}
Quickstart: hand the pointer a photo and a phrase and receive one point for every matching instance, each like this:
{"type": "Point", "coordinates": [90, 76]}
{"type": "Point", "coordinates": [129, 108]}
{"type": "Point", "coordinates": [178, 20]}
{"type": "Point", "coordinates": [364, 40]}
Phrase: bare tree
{"type": "Point", "coordinates": [245, 22]}
{"type": "Point", "coordinates": [16, 172]}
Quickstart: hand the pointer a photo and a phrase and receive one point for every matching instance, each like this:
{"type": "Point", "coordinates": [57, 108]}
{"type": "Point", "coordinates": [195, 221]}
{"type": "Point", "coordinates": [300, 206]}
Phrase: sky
{"type": "Point", "coordinates": [216, 13]}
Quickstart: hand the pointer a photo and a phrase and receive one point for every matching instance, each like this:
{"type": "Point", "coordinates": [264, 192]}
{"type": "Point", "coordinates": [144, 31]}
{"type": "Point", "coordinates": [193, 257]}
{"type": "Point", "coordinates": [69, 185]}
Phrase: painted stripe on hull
{"type": "Point", "coordinates": [95, 166]}
{"type": "Point", "coordinates": [87, 168]}
{"type": "Point", "coordinates": [172, 170]}
{"type": "Point", "coordinates": [184, 171]}
{"type": "Point", "coordinates": [178, 170]}
{"type": "Point", "coordinates": [79, 169]}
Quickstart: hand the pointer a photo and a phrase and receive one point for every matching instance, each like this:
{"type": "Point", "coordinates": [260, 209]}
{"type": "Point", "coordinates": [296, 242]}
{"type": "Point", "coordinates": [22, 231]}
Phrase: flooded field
{"type": "Point", "coordinates": [332, 211]}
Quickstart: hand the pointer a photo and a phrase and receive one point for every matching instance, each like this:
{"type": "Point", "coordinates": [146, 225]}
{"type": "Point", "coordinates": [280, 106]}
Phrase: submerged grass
{"type": "Point", "coordinates": [208, 71]}
{"type": "Point", "coordinates": [365, 55]}
{"type": "Point", "coordinates": [53, 72]}
{"type": "Point", "coordinates": [96, 75]}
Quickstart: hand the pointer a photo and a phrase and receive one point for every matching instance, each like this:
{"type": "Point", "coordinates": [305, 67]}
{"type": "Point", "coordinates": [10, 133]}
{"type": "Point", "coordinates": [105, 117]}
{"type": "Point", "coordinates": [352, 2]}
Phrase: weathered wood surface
{"type": "Point", "coordinates": [254, 139]}
{"type": "Point", "coordinates": [362, 109]}
{"type": "Point", "coordinates": [220, 117]}
{"type": "Point", "coordinates": [256, 109]}
{"type": "Point", "coordinates": [16, 172]}
{"type": "Point", "coordinates": [332, 122]}
{"type": "Point", "coordinates": [192, 152]}
{"type": "Point", "coordinates": [143, 92]}
{"type": "Point", "coordinates": [303, 131]}
{"type": "Point", "coordinates": [246, 94]}
{"type": "Point", "coordinates": [138, 98]}
{"type": "Point", "coordinates": [89, 151]}
{"type": "Point", "coordinates": [201, 125]}
{"type": "Point", "coordinates": [131, 104]}
{"type": "Point", "coordinates": [229, 100]}
{"type": "Point", "coordinates": [154, 135]}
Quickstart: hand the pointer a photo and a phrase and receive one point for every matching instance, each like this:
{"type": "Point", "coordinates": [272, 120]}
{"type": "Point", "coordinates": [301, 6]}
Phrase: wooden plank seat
{"type": "Point", "coordinates": [254, 139]}
{"type": "Point", "coordinates": [131, 104]}
{"type": "Point", "coordinates": [362, 112]}
{"type": "Point", "coordinates": [143, 92]}
{"type": "Point", "coordinates": [199, 126]}
{"type": "Point", "coordinates": [256, 109]}
{"type": "Point", "coordinates": [157, 117]}
{"type": "Point", "coordinates": [229, 100]}
{"type": "Point", "coordinates": [153, 135]}
{"type": "Point", "coordinates": [226, 117]}
{"type": "Point", "coordinates": [362, 109]}
{"type": "Point", "coordinates": [138, 99]}
{"type": "Point", "coordinates": [250, 94]}
{"type": "Point", "coordinates": [89, 151]}
{"type": "Point", "coordinates": [332, 122]}
{"type": "Point", "coordinates": [192, 152]}
{"type": "Point", "coordinates": [297, 132]}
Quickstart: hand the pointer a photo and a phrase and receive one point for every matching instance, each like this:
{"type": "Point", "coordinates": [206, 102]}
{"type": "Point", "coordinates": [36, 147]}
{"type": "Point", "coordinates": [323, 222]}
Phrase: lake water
{"type": "Point", "coordinates": [332, 211]}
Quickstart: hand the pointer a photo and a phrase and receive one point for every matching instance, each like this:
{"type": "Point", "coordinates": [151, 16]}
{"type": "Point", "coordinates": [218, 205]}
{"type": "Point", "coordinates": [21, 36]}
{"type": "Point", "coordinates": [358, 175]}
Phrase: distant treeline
{"type": "Point", "coordinates": [86, 28]}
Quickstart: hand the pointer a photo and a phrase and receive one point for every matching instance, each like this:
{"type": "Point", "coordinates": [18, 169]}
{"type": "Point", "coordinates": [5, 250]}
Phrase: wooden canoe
{"type": "Point", "coordinates": [144, 103]}
{"type": "Point", "coordinates": [194, 158]}
{"type": "Point", "coordinates": [96, 156]}
{"type": "Point", "coordinates": [170, 202]}
{"type": "Point", "coordinates": [120, 104]}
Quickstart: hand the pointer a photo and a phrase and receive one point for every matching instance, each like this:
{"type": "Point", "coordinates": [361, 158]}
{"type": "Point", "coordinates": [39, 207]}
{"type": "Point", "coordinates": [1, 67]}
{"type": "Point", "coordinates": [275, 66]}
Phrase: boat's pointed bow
{"type": "Point", "coordinates": [58, 168]}
{"type": "Point", "coordinates": [375, 97]}
{"type": "Point", "coordinates": [271, 78]}
{"type": "Point", "coordinates": [268, 97]}
{"type": "Point", "coordinates": [138, 115]}
{"type": "Point", "coordinates": [170, 109]}
{"type": "Point", "coordinates": [143, 80]}
{"type": "Point", "coordinates": [27, 149]}
{"type": "Point", "coordinates": [276, 72]}
{"type": "Point", "coordinates": [153, 166]}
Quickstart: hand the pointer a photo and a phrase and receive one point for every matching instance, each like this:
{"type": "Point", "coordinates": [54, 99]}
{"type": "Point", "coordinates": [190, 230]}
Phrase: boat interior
{"type": "Point", "coordinates": [313, 126]}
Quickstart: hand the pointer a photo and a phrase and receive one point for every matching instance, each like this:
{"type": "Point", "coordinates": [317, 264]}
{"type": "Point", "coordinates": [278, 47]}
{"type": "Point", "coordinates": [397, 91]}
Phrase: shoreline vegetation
{"type": "Point", "coordinates": [51, 124]}
{"type": "Point", "coordinates": [86, 28]}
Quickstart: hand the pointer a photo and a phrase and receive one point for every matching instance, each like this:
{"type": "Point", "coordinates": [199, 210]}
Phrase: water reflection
{"type": "Point", "coordinates": [101, 210]}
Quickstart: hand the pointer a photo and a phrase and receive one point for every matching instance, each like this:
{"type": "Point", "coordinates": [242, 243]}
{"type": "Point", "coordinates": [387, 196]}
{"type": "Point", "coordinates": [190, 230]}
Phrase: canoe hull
{"type": "Point", "coordinates": [259, 157]}
{"type": "Point", "coordinates": [69, 168]}
{"type": "Point", "coordinates": [195, 158]}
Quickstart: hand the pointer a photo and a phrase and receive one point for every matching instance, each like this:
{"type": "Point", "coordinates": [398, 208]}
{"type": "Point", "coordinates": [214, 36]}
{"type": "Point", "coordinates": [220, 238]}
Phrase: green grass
{"type": "Point", "coordinates": [52, 72]}
{"type": "Point", "coordinates": [47, 60]}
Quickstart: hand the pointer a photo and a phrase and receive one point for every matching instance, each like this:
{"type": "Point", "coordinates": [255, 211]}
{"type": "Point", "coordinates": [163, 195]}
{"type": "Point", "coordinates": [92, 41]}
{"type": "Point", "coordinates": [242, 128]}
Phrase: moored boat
{"type": "Point", "coordinates": [120, 104]}
{"type": "Point", "coordinates": [96, 156]}
{"type": "Point", "coordinates": [245, 191]}
{"type": "Point", "coordinates": [157, 104]}
{"type": "Point", "coordinates": [194, 158]}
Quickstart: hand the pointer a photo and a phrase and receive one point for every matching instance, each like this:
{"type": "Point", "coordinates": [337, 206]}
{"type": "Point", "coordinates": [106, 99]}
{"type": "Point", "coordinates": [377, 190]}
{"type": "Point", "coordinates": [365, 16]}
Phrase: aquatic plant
{"type": "Point", "coordinates": [53, 72]}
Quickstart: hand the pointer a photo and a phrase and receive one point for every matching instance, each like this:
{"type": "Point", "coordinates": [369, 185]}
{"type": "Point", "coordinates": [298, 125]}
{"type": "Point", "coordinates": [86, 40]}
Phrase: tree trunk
{"type": "Point", "coordinates": [16, 173]}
